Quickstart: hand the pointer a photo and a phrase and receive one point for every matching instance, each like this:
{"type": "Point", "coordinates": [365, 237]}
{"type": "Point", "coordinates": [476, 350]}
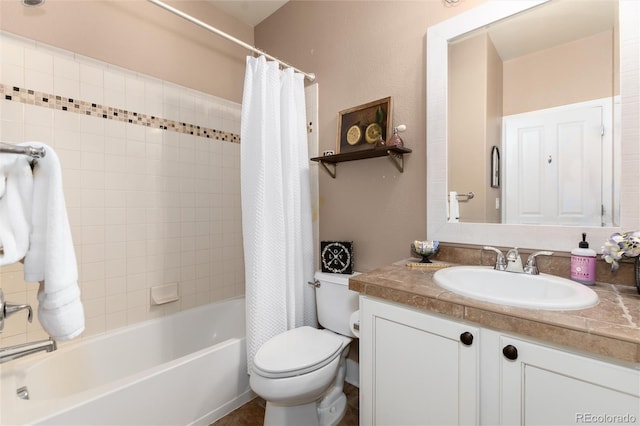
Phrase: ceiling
{"type": "Point", "coordinates": [549, 25]}
{"type": "Point", "coordinates": [251, 12]}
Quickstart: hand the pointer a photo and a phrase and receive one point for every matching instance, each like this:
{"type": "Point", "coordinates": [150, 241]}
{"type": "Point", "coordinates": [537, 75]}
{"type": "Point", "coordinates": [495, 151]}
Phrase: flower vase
{"type": "Point", "coordinates": [636, 272]}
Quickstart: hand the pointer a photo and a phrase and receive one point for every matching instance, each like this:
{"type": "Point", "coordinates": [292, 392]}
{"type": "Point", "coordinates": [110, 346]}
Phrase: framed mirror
{"type": "Point", "coordinates": [621, 190]}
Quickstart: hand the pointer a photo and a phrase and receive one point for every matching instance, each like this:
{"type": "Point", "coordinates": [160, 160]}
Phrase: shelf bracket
{"type": "Point", "coordinates": [397, 159]}
{"type": "Point", "coordinates": [329, 168]}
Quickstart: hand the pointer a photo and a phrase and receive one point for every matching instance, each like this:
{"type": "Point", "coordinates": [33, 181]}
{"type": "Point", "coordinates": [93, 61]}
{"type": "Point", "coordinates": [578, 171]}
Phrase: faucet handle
{"type": "Point", "coordinates": [531, 266]}
{"type": "Point", "coordinates": [501, 263]}
{"type": "Point", "coordinates": [7, 309]}
{"type": "Point", "coordinates": [10, 309]}
{"type": "Point", "coordinates": [513, 254]}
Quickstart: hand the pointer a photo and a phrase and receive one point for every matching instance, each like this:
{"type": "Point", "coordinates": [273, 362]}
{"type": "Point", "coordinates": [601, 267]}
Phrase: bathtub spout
{"type": "Point", "coordinates": [18, 351]}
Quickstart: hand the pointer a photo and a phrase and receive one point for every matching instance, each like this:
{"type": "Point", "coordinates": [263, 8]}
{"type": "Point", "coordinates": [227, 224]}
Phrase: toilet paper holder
{"type": "Point", "coordinates": [354, 323]}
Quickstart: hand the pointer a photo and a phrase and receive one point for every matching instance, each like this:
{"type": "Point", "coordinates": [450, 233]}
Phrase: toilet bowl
{"type": "Point", "coordinates": [300, 373]}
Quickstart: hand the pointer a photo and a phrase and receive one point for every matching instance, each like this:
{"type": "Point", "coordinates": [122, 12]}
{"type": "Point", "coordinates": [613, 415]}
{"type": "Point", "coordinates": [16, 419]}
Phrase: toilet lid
{"type": "Point", "coordinates": [297, 351]}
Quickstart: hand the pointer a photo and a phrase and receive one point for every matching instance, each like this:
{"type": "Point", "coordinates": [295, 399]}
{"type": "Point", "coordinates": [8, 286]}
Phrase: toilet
{"type": "Point", "coordinates": [300, 373]}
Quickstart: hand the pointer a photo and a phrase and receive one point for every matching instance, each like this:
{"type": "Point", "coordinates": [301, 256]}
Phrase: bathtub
{"type": "Point", "coordinates": [187, 368]}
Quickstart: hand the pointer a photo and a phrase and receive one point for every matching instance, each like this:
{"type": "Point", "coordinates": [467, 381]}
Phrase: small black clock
{"type": "Point", "coordinates": [337, 256]}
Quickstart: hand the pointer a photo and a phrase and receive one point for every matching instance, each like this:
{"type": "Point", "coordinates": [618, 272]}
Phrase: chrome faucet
{"type": "Point", "coordinates": [514, 261]}
{"type": "Point", "coordinates": [501, 263]}
{"type": "Point", "coordinates": [531, 266]}
{"type": "Point", "coordinates": [18, 351]}
{"type": "Point", "coordinates": [24, 349]}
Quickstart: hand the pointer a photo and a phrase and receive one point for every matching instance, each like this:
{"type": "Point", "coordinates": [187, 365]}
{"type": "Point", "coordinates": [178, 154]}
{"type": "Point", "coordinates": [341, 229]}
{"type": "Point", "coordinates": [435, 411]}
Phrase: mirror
{"type": "Point", "coordinates": [542, 100]}
{"type": "Point", "coordinates": [442, 108]}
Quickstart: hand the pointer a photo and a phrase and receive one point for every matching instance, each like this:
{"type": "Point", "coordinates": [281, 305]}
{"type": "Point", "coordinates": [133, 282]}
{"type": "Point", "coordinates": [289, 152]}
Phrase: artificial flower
{"type": "Point", "coordinates": [622, 245]}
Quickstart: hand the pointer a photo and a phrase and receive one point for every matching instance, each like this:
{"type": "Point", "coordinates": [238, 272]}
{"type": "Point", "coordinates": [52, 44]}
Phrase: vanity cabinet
{"type": "Point", "coordinates": [542, 385]}
{"type": "Point", "coordinates": [415, 368]}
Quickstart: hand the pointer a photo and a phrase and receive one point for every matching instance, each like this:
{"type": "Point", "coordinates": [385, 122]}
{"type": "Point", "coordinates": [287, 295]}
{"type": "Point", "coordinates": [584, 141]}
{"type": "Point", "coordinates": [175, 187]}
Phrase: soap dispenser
{"type": "Point", "coordinates": [583, 263]}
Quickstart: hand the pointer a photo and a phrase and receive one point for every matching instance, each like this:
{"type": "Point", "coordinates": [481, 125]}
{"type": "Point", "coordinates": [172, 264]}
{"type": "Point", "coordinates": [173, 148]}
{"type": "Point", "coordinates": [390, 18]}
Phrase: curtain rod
{"type": "Point", "coordinates": [311, 77]}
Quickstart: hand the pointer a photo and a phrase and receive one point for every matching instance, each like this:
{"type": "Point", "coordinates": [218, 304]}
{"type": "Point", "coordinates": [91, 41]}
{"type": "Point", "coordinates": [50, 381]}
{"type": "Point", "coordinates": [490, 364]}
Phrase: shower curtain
{"type": "Point", "coordinates": [276, 204]}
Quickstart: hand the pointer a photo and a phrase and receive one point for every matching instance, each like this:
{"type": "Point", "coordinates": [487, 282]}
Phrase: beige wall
{"type": "Point", "coordinates": [475, 111]}
{"type": "Point", "coordinates": [493, 131]}
{"type": "Point", "coordinates": [140, 36]}
{"type": "Point", "coordinates": [467, 111]}
{"type": "Point", "coordinates": [362, 51]}
{"type": "Point", "coordinates": [573, 72]}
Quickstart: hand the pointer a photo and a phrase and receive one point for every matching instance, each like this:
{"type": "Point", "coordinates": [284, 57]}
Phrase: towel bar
{"type": "Point", "coordinates": [31, 151]}
{"type": "Point", "coordinates": [465, 197]}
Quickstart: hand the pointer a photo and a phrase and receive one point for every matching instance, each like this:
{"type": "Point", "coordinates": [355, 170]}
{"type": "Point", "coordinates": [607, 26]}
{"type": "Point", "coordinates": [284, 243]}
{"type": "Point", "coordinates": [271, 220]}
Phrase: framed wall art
{"type": "Point", "coordinates": [362, 127]}
{"type": "Point", "coordinates": [337, 256]}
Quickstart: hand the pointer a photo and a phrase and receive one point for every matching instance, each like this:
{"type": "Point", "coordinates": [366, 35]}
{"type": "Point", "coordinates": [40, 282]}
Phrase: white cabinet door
{"type": "Point", "coordinates": [414, 367]}
{"type": "Point", "coordinates": [547, 386]}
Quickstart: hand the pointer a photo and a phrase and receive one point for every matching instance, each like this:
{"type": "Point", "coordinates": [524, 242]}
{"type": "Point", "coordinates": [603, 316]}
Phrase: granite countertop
{"type": "Point", "coordinates": [611, 328]}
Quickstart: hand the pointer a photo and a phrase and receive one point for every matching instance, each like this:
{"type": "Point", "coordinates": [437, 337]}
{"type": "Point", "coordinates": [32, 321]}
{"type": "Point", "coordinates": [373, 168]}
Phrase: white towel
{"type": "Point", "coordinates": [454, 207]}
{"type": "Point", "coordinates": [16, 187]}
{"type": "Point", "coordinates": [51, 257]}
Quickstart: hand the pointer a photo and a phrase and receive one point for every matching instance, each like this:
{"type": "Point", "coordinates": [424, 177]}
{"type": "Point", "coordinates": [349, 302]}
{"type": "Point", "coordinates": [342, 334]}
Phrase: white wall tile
{"type": "Point", "coordinates": [146, 206]}
{"type": "Point", "coordinates": [66, 67]}
{"type": "Point", "coordinates": [38, 80]}
{"type": "Point", "coordinates": [38, 59]}
{"type": "Point", "coordinates": [12, 75]}
{"type": "Point", "coordinates": [12, 51]}
{"type": "Point", "coordinates": [90, 74]}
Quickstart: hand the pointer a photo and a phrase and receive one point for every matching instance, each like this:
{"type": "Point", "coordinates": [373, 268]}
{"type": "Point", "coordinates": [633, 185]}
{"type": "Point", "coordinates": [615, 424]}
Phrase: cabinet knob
{"type": "Point", "coordinates": [466, 338]}
{"type": "Point", "coordinates": [510, 352]}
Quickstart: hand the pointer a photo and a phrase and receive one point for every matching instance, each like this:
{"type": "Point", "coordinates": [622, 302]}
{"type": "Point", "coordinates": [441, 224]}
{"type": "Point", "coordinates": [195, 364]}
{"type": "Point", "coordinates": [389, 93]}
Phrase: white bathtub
{"type": "Point", "coordinates": [187, 368]}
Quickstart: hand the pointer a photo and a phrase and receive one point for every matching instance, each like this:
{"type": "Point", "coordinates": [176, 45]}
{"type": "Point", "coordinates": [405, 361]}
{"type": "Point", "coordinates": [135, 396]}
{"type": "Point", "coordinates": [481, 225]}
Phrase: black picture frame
{"type": "Point", "coordinates": [378, 113]}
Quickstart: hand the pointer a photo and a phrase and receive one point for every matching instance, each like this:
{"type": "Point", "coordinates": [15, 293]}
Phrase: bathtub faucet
{"type": "Point", "coordinates": [18, 351]}
{"type": "Point", "coordinates": [24, 349]}
{"type": "Point", "coordinates": [7, 309]}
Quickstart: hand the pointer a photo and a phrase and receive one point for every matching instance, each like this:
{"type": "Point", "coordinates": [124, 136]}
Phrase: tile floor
{"type": "Point", "coordinates": [252, 413]}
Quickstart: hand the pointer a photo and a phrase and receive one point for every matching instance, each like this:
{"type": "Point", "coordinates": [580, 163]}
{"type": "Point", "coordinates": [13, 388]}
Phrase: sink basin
{"type": "Point", "coordinates": [522, 290]}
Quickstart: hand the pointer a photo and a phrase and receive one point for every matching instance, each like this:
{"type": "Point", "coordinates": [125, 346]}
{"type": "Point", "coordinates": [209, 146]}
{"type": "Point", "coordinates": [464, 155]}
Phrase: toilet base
{"type": "Point", "coordinates": [333, 413]}
{"type": "Point", "coordinates": [303, 415]}
{"type": "Point", "coordinates": [311, 414]}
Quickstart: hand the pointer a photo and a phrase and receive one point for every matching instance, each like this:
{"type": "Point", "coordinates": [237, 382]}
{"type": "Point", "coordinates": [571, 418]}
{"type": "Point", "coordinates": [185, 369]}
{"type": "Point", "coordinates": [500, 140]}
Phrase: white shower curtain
{"type": "Point", "coordinates": [276, 204]}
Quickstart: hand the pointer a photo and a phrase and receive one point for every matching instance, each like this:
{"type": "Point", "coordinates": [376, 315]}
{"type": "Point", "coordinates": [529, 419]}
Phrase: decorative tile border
{"type": "Point", "coordinates": [46, 100]}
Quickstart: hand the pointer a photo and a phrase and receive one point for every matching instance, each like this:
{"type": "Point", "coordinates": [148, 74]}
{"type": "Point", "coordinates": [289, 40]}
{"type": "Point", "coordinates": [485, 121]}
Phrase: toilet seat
{"type": "Point", "coordinates": [296, 352]}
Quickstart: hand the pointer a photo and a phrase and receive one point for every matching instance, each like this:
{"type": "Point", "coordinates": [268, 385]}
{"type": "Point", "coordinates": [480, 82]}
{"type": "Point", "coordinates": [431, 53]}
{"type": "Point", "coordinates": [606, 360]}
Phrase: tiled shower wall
{"type": "Point", "coordinates": [151, 176]}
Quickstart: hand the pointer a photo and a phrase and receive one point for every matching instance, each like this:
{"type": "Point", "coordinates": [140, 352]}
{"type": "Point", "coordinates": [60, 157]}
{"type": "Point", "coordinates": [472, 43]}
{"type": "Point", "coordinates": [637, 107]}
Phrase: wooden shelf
{"type": "Point", "coordinates": [395, 153]}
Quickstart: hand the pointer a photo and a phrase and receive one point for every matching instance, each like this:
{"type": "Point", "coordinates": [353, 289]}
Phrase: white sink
{"type": "Point", "coordinates": [522, 290]}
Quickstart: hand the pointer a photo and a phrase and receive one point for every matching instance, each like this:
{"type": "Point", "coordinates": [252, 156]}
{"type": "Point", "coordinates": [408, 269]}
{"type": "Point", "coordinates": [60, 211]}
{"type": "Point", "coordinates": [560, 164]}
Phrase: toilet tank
{"type": "Point", "coordinates": [335, 302]}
